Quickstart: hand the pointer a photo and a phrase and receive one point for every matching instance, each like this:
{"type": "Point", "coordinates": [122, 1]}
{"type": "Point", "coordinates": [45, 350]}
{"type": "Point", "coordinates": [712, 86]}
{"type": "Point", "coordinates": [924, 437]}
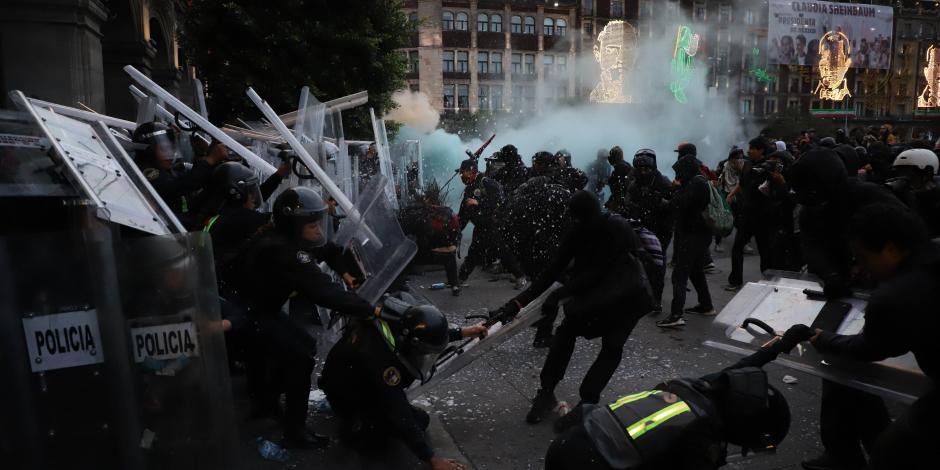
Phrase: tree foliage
{"type": "Point", "coordinates": [277, 46]}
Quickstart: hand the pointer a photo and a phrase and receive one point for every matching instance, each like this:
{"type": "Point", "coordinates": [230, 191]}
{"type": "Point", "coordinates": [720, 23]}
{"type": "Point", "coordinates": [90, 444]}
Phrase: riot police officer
{"type": "Point", "coordinates": [507, 168]}
{"type": "Point", "coordinates": [275, 266]}
{"type": "Point", "coordinates": [175, 183]}
{"type": "Point", "coordinates": [570, 177]}
{"type": "Point", "coordinates": [367, 373]}
{"type": "Point", "coordinates": [914, 185]}
{"type": "Point", "coordinates": [482, 205]}
{"type": "Point", "coordinates": [684, 423]}
{"type": "Point", "coordinates": [619, 181]}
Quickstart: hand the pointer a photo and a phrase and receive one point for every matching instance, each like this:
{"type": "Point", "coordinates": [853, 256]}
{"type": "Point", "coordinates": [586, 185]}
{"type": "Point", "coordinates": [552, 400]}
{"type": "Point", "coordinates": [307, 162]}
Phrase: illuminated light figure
{"type": "Point", "coordinates": [682, 62]}
{"type": "Point", "coordinates": [928, 98]}
{"type": "Point", "coordinates": [615, 51]}
{"type": "Point", "coordinates": [835, 54]}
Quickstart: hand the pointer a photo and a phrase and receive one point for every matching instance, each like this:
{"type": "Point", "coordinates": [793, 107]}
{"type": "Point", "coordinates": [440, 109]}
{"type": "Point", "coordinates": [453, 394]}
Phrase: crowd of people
{"type": "Point", "coordinates": [856, 211]}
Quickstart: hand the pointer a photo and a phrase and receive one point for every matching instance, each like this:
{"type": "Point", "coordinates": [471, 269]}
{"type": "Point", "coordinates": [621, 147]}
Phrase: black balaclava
{"type": "Point", "coordinates": [818, 177]}
{"type": "Point", "coordinates": [686, 168]}
{"type": "Point", "coordinates": [849, 158]}
{"type": "Point", "coordinates": [584, 207]}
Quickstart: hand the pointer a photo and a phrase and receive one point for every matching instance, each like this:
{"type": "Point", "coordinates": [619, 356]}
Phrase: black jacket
{"type": "Point", "coordinates": [619, 182]}
{"type": "Point", "coordinates": [901, 317]}
{"type": "Point", "coordinates": [691, 199]}
{"type": "Point", "coordinates": [489, 196]}
{"type": "Point", "coordinates": [177, 185]}
{"type": "Point", "coordinates": [511, 177]}
{"type": "Point", "coordinates": [650, 204]}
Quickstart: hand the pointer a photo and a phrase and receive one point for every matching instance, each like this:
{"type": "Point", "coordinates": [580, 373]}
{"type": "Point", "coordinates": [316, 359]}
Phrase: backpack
{"type": "Point", "coordinates": [717, 215]}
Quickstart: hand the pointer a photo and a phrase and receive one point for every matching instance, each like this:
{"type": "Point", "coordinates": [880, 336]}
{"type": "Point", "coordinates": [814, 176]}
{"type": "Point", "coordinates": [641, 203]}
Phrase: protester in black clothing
{"type": "Point", "coordinates": [752, 219]}
{"type": "Point", "coordinates": [598, 173]}
{"type": "Point", "coordinates": [693, 237]}
{"type": "Point", "coordinates": [482, 205]}
{"type": "Point", "coordinates": [683, 424]}
{"type": "Point", "coordinates": [172, 181]}
{"type": "Point", "coordinates": [436, 230]}
{"type": "Point", "coordinates": [367, 373]}
{"type": "Point", "coordinates": [650, 204]}
{"type": "Point", "coordinates": [537, 219]}
{"type": "Point", "coordinates": [891, 245]}
{"type": "Point", "coordinates": [620, 180]}
{"type": "Point", "coordinates": [507, 168]}
{"type": "Point", "coordinates": [784, 245]}
{"type": "Point", "coordinates": [915, 186]}
{"type": "Point", "coordinates": [277, 265]}
{"type": "Point", "coordinates": [605, 293]}
{"type": "Point", "coordinates": [850, 159]}
{"type": "Point", "coordinates": [568, 176]}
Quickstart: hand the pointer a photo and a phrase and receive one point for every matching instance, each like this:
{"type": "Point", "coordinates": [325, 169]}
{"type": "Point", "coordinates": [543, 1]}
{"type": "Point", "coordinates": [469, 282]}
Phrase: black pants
{"type": "Point", "coordinates": [608, 359]}
{"type": "Point", "coordinates": [282, 358]}
{"type": "Point", "coordinates": [484, 241]}
{"type": "Point", "coordinates": [910, 441]}
{"type": "Point", "coordinates": [690, 266]}
{"type": "Point", "coordinates": [849, 418]}
{"type": "Point", "coordinates": [447, 260]}
{"type": "Point", "coordinates": [747, 226]}
{"type": "Point", "coordinates": [574, 450]}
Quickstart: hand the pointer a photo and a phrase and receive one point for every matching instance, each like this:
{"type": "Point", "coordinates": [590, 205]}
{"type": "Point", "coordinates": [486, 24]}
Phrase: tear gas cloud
{"type": "Point", "coordinates": [414, 110]}
{"type": "Point", "coordinates": [654, 120]}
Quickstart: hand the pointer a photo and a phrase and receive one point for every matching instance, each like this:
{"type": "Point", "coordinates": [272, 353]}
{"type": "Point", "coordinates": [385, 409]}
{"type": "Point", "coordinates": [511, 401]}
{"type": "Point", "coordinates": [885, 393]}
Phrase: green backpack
{"type": "Point", "coordinates": [718, 215]}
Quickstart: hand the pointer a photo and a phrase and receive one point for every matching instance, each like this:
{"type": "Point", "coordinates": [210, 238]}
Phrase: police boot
{"type": "Point", "coordinates": [542, 406]}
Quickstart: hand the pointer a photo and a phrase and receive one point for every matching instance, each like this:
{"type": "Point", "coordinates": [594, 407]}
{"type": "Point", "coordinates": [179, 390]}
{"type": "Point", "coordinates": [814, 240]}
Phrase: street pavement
{"type": "Point", "coordinates": [478, 414]}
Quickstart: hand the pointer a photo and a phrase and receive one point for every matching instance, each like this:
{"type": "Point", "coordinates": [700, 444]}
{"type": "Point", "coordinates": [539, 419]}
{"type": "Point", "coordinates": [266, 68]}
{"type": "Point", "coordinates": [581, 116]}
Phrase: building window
{"type": "Point", "coordinates": [587, 8]}
{"type": "Point", "coordinates": [748, 16]}
{"type": "Point", "coordinates": [483, 62]}
{"type": "Point", "coordinates": [448, 61]}
{"type": "Point", "coordinates": [746, 106]}
{"type": "Point", "coordinates": [496, 62]}
{"type": "Point", "coordinates": [529, 25]}
{"type": "Point", "coordinates": [561, 64]}
{"type": "Point", "coordinates": [530, 64]}
{"type": "Point", "coordinates": [496, 23]}
{"type": "Point", "coordinates": [561, 27]}
{"type": "Point", "coordinates": [496, 97]}
{"type": "Point", "coordinates": [548, 27]}
{"type": "Point", "coordinates": [516, 63]}
{"type": "Point", "coordinates": [616, 8]}
{"type": "Point", "coordinates": [698, 11]}
{"type": "Point", "coordinates": [516, 26]}
{"type": "Point", "coordinates": [484, 97]}
{"type": "Point", "coordinates": [447, 21]}
{"type": "Point", "coordinates": [413, 21]}
{"type": "Point", "coordinates": [548, 63]}
{"type": "Point", "coordinates": [770, 106]}
{"type": "Point", "coordinates": [517, 97]}
{"type": "Point", "coordinates": [589, 29]}
{"type": "Point", "coordinates": [561, 93]}
{"type": "Point", "coordinates": [463, 22]}
{"type": "Point", "coordinates": [724, 13]}
{"type": "Point", "coordinates": [413, 61]}
{"type": "Point", "coordinates": [529, 98]}
{"type": "Point", "coordinates": [723, 53]}
{"type": "Point", "coordinates": [859, 108]}
{"type": "Point", "coordinates": [793, 103]}
{"type": "Point", "coordinates": [449, 96]}
{"type": "Point", "coordinates": [463, 96]}
{"type": "Point", "coordinates": [795, 85]}
{"type": "Point", "coordinates": [463, 61]}
{"type": "Point", "coordinates": [483, 23]}
{"type": "Point", "coordinates": [901, 110]}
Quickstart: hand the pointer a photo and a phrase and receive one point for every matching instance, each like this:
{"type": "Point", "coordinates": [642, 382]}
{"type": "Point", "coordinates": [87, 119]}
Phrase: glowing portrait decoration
{"type": "Point", "coordinates": [615, 51]}
{"type": "Point", "coordinates": [835, 52]}
{"type": "Point", "coordinates": [928, 98]}
{"type": "Point", "coordinates": [682, 62]}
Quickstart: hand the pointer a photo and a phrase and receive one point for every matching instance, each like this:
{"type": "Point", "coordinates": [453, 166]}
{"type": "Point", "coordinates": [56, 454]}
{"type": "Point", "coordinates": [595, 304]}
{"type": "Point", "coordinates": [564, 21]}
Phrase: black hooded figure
{"type": "Point", "coordinates": [849, 418]}
{"type": "Point", "coordinates": [650, 196]}
{"type": "Point", "coordinates": [693, 237]}
{"type": "Point", "coordinates": [603, 296]}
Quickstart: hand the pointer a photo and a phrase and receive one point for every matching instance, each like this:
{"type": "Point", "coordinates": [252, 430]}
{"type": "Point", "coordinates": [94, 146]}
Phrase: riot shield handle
{"type": "Point", "coordinates": [760, 324]}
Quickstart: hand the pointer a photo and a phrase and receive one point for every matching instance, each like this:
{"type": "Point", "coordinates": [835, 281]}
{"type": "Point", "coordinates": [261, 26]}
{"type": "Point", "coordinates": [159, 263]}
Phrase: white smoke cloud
{"type": "Point", "coordinates": [414, 110]}
{"type": "Point", "coordinates": [654, 120]}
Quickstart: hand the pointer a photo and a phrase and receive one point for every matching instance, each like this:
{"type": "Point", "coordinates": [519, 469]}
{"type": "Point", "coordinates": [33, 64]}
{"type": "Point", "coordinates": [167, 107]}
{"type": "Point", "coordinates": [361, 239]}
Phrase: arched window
{"type": "Point", "coordinates": [413, 20]}
{"type": "Point", "coordinates": [516, 27]}
{"type": "Point", "coordinates": [548, 27]}
{"type": "Point", "coordinates": [463, 22]}
{"type": "Point", "coordinates": [496, 23]}
{"type": "Point", "coordinates": [561, 27]}
{"type": "Point", "coordinates": [529, 25]}
{"type": "Point", "coordinates": [483, 23]}
{"type": "Point", "coordinates": [447, 21]}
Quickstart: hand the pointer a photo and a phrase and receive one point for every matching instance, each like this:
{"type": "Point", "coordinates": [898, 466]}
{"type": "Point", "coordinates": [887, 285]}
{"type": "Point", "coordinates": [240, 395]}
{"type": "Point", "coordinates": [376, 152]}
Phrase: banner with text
{"type": "Point", "coordinates": [795, 29]}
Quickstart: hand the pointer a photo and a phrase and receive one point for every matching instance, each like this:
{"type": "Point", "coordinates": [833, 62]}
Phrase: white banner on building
{"type": "Point", "coordinates": [795, 28]}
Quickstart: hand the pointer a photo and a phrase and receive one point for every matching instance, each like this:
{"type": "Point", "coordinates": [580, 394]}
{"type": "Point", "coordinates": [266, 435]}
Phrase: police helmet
{"type": "Point", "coordinates": [544, 158]}
{"type": "Point", "coordinates": [296, 207]}
{"type": "Point", "coordinates": [424, 336]}
{"type": "Point", "coordinates": [644, 158]}
{"type": "Point", "coordinates": [920, 158]}
{"type": "Point", "coordinates": [235, 182]}
{"type": "Point", "coordinates": [754, 414]}
{"type": "Point", "coordinates": [153, 136]}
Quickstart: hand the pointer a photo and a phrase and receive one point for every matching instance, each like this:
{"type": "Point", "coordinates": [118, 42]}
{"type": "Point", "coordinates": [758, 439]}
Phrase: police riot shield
{"type": "Point", "coordinates": [381, 263]}
{"type": "Point", "coordinates": [461, 355]}
{"type": "Point", "coordinates": [111, 353]}
{"type": "Point", "coordinates": [385, 160]}
{"type": "Point", "coordinates": [784, 299]}
{"type": "Point", "coordinates": [410, 176]}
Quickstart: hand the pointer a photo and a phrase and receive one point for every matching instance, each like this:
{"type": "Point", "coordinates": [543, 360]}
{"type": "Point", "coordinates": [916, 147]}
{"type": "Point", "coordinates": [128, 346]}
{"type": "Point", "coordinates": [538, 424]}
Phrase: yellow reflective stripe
{"type": "Point", "coordinates": [209, 224]}
{"type": "Point", "coordinates": [632, 398]}
{"type": "Point", "coordinates": [640, 427]}
{"type": "Point", "coordinates": [387, 333]}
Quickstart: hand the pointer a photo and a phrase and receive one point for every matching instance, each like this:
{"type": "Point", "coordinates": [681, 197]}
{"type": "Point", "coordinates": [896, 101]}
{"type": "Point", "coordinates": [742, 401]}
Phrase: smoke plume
{"type": "Point", "coordinates": [414, 110]}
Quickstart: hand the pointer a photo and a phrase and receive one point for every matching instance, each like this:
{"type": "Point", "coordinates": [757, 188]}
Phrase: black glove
{"type": "Point", "coordinates": [835, 286]}
{"type": "Point", "coordinates": [505, 313]}
{"type": "Point", "coordinates": [795, 335]}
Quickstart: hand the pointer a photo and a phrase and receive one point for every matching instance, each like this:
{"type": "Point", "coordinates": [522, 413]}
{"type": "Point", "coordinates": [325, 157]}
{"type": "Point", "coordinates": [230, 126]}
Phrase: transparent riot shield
{"type": "Point", "coordinates": [784, 299]}
{"type": "Point", "coordinates": [381, 263]}
{"type": "Point", "coordinates": [385, 160]}
{"type": "Point", "coordinates": [410, 175]}
{"type": "Point", "coordinates": [176, 349]}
